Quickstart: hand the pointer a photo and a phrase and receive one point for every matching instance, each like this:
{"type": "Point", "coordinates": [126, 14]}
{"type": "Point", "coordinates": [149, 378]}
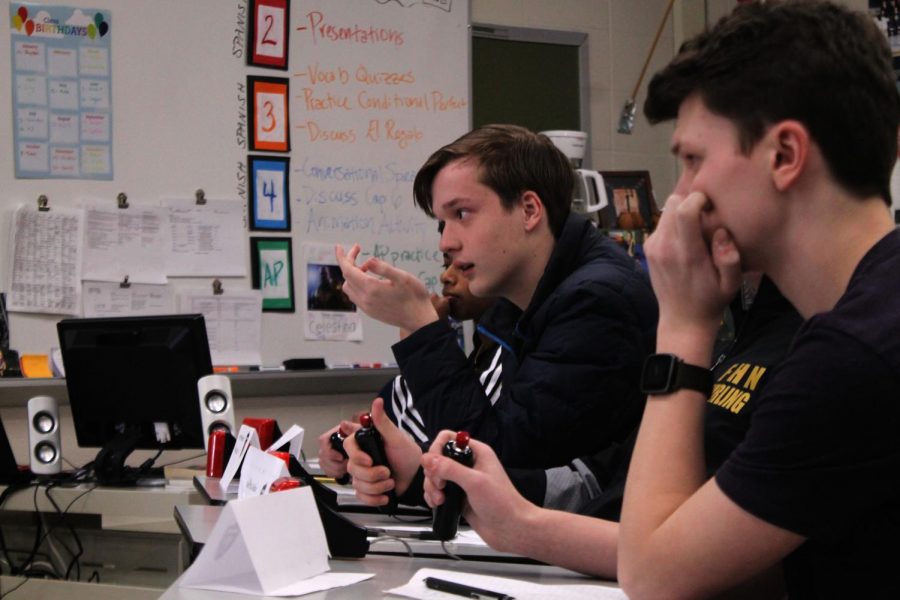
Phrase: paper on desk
{"type": "Point", "coordinates": [467, 537]}
{"type": "Point", "coordinates": [520, 590]}
{"type": "Point", "coordinates": [271, 545]}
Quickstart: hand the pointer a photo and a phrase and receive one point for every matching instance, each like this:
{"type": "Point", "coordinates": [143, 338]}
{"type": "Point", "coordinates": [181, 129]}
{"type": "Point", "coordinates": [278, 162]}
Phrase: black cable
{"type": "Point", "coordinates": [62, 514]}
{"type": "Point", "coordinates": [39, 527]}
{"type": "Point", "coordinates": [75, 562]}
{"type": "Point", "coordinates": [9, 491]}
{"type": "Point", "coordinates": [27, 573]}
{"type": "Point", "coordinates": [148, 464]}
{"type": "Point", "coordinates": [95, 576]}
{"type": "Point", "coordinates": [447, 551]}
{"type": "Point", "coordinates": [412, 519]}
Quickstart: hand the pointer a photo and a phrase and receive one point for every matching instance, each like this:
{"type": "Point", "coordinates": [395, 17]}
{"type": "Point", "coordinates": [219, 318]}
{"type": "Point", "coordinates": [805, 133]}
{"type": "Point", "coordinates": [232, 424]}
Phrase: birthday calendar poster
{"type": "Point", "coordinates": [62, 92]}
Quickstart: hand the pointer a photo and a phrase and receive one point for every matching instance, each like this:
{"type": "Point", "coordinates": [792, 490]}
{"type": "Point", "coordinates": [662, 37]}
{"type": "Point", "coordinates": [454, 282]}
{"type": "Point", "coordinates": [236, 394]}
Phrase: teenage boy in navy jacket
{"type": "Point", "coordinates": [588, 313]}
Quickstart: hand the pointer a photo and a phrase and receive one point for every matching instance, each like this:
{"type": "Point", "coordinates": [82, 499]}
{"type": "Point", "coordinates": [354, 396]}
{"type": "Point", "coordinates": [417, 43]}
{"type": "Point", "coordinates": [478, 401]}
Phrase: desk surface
{"type": "Point", "coordinates": [48, 589]}
{"type": "Point", "coordinates": [392, 571]}
{"type": "Point", "coordinates": [145, 510]}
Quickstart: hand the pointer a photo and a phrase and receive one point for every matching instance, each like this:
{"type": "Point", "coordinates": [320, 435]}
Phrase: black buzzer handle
{"type": "Point", "coordinates": [370, 442]}
{"type": "Point", "coordinates": [446, 516]}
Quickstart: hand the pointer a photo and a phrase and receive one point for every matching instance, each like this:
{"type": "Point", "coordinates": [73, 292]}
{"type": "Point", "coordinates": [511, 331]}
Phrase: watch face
{"type": "Point", "coordinates": [659, 369]}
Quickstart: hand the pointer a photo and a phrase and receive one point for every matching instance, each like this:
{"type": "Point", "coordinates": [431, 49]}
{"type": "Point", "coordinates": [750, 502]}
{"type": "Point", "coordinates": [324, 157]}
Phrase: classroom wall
{"type": "Point", "coordinates": [181, 122]}
{"type": "Point", "coordinates": [619, 37]}
{"type": "Point", "coordinates": [620, 33]}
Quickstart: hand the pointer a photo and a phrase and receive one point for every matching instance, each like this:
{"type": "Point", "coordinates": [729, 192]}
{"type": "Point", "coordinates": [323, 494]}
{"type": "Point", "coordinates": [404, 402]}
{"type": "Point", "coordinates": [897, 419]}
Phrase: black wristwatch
{"type": "Point", "coordinates": [666, 373]}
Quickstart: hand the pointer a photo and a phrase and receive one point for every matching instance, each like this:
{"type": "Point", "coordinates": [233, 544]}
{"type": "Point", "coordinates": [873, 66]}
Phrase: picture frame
{"type": "Point", "coordinates": [267, 114]}
{"type": "Point", "coordinates": [272, 269]}
{"type": "Point", "coordinates": [632, 205]}
{"type": "Point", "coordinates": [268, 35]}
{"type": "Point", "coordinates": [269, 196]}
{"type": "Point", "coordinates": [324, 289]}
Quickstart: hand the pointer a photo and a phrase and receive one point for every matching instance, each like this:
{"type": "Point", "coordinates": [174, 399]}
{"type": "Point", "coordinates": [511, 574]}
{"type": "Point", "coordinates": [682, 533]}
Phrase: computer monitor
{"type": "Point", "coordinates": [132, 384]}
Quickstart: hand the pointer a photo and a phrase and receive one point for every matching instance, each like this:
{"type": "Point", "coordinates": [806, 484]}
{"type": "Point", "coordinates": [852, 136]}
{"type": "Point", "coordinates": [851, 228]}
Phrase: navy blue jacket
{"type": "Point", "coordinates": [571, 378]}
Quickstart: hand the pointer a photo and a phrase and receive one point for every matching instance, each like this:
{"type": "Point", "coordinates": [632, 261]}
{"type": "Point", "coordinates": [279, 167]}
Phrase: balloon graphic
{"type": "Point", "coordinates": [23, 13]}
{"type": "Point", "coordinates": [17, 22]}
{"type": "Point", "coordinates": [92, 31]}
{"type": "Point", "coordinates": [29, 26]}
{"type": "Point", "coordinates": [98, 18]}
{"type": "Point", "coordinates": [104, 28]}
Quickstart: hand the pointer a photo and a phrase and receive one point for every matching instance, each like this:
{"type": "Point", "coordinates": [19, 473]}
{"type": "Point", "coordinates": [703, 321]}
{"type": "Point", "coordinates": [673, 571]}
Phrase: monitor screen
{"type": "Point", "coordinates": [136, 377]}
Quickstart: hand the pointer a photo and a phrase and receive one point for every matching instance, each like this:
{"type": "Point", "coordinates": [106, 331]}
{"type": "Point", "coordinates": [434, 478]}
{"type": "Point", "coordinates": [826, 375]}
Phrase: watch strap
{"type": "Point", "coordinates": [692, 377]}
{"type": "Point", "coordinates": [666, 373]}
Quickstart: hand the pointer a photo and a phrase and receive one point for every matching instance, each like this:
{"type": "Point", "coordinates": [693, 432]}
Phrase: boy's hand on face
{"type": "Point", "coordinates": [384, 292]}
{"type": "Point", "coordinates": [694, 279]}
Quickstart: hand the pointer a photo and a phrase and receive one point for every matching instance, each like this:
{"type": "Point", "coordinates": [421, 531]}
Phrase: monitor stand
{"type": "Point", "coordinates": [109, 465]}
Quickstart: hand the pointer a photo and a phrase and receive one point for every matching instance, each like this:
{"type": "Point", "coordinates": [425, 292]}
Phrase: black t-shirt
{"type": "Point", "coordinates": [762, 336]}
{"type": "Point", "coordinates": [822, 456]}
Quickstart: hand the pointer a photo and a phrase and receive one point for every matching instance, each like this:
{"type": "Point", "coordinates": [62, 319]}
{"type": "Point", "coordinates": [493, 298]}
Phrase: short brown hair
{"type": "Point", "coordinates": [512, 160]}
{"type": "Point", "coordinates": [813, 61]}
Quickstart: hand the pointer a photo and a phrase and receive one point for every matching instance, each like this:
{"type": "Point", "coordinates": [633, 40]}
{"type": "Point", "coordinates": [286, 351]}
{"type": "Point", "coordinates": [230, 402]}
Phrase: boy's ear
{"type": "Point", "coordinates": [532, 210]}
{"type": "Point", "coordinates": [790, 144]}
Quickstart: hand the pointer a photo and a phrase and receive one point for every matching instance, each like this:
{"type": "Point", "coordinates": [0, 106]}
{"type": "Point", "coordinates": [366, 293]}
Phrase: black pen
{"type": "Point", "coordinates": [459, 589]}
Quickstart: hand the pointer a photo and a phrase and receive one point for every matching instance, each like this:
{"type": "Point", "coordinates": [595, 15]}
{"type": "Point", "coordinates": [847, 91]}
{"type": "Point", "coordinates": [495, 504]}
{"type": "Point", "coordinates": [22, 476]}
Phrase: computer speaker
{"type": "Point", "coordinates": [45, 457]}
{"type": "Point", "coordinates": [216, 405]}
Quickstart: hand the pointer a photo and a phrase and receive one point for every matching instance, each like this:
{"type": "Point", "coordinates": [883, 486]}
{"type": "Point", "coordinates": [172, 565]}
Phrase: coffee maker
{"type": "Point", "coordinates": [590, 191]}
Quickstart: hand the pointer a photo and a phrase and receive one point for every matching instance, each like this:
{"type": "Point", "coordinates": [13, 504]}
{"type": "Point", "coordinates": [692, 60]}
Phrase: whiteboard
{"type": "Point", "coordinates": [375, 87]}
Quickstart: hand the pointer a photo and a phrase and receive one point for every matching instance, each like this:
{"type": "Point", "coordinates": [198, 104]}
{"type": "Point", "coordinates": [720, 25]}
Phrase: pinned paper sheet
{"type": "Point", "coordinates": [271, 545]}
{"type": "Point", "coordinates": [520, 590]}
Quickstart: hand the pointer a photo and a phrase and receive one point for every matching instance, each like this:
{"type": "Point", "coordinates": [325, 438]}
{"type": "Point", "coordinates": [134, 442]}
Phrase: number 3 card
{"type": "Point", "coordinates": [268, 113]}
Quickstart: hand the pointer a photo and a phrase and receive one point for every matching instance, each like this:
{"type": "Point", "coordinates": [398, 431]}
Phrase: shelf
{"type": "Point", "coordinates": [17, 391]}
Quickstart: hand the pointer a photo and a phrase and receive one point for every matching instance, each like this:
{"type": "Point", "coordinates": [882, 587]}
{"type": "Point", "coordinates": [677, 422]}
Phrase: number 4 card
{"type": "Point", "coordinates": [270, 206]}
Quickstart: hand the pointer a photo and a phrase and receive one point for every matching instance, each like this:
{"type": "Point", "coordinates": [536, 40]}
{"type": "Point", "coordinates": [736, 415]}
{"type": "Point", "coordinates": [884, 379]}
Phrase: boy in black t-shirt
{"type": "Point", "coordinates": [786, 120]}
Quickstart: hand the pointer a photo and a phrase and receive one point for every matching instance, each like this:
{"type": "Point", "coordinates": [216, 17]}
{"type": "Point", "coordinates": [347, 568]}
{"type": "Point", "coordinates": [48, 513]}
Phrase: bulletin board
{"type": "Point", "coordinates": [369, 89]}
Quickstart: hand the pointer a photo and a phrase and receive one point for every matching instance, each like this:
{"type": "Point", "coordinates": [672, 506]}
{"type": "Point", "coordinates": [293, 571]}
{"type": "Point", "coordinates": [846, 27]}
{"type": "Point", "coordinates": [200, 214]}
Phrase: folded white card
{"type": "Point", "coordinates": [294, 435]}
{"type": "Point", "coordinates": [272, 545]}
{"type": "Point", "coordinates": [260, 469]}
{"type": "Point", "coordinates": [246, 437]}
